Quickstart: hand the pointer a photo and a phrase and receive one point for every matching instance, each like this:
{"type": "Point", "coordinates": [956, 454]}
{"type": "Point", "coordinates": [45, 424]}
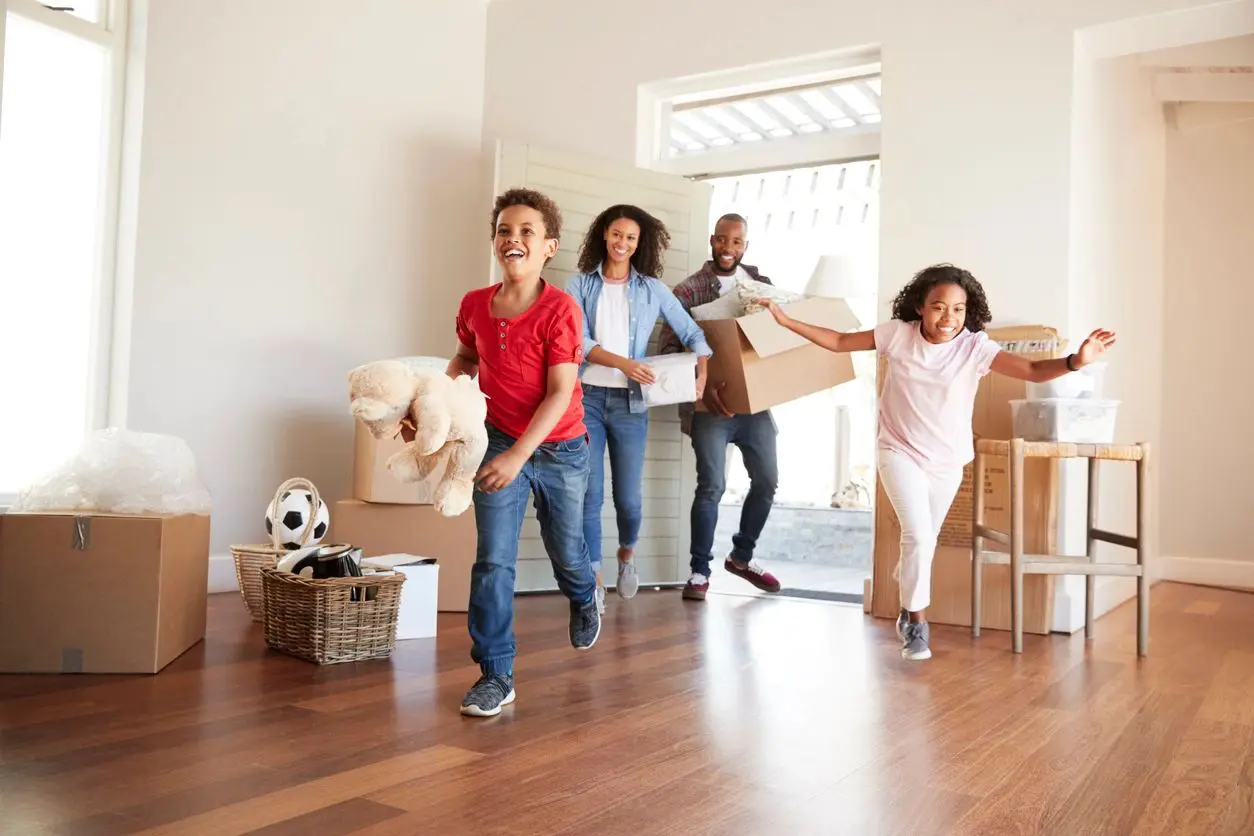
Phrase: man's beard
{"type": "Point", "coordinates": [718, 266]}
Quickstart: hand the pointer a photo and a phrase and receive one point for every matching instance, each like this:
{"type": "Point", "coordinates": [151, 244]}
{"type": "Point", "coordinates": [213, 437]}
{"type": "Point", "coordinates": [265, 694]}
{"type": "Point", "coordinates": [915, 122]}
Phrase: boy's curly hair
{"type": "Point", "coordinates": [911, 297]}
{"type": "Point", "coordinates": [650, 248]}
{"type": "Point", "coordinates": [542, 203]}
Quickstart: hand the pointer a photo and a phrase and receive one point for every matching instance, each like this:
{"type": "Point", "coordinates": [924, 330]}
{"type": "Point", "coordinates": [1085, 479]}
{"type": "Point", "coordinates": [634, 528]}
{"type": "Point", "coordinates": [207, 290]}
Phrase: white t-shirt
{"type": "Point", "coordinates": [929, 392]}
{"type": "Point", "coordinates": [610, 332]}
{"type": "Point", "coordinates": [726, 283]}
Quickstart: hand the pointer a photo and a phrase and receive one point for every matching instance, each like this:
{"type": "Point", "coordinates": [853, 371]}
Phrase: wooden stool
{"type": "Point", "coordinates": [1015, 451]}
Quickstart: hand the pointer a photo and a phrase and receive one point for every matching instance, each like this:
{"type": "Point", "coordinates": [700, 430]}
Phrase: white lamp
{"type": "Point", "coordinates": [843, 275]}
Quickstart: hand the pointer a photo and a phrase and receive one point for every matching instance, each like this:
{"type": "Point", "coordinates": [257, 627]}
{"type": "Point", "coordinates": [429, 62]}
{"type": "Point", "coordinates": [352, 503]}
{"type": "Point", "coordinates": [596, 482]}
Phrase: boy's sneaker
{"type": "Point", "coordinates": [585, 624]}
{"type": "Point", "coordinates": [753, 573]}
{"type": "Point", "coordinates": [914, 636]}
{"type": "Point", "coordinates": [696, 587]}
{"type": "Point", "coordinates": [488, 695]}
{"type": "Point", "coordinates": [628, 581]}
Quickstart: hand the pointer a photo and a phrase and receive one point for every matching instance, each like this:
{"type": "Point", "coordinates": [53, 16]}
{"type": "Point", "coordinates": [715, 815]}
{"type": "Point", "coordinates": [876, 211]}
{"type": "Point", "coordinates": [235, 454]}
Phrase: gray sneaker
{"type": "Point", "coordinates": [628, 582]}
{"type": "Point", "coordinates": [585, 624]}
{"type": "Point", "coordinates": [600, 600]}
{"type": "Point", "coordinates": [487, 696]}
{"type": "Point", "coordinates": [914, 641]}
{"type": "Point", "coordinates": [903, 618]}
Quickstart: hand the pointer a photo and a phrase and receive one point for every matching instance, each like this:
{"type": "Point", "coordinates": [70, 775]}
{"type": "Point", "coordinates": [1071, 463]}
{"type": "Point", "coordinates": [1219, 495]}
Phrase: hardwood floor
{"type": "Point", "coordinates": [739, 716]}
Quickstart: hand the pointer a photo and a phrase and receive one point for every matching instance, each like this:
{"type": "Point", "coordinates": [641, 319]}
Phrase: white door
{"type": "Point", "coordinates": [583, 187]}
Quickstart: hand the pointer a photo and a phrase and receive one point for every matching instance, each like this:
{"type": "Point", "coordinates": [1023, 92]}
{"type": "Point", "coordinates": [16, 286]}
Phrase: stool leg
{"type": "Point", "coordinates": [1090, 549]}
{"type": "Point", "coordinates": [977, 542]}
{"type": "Point", "coordinates": [1016, 544]}
{"type": "Point", "coordinates": [1144, 550]}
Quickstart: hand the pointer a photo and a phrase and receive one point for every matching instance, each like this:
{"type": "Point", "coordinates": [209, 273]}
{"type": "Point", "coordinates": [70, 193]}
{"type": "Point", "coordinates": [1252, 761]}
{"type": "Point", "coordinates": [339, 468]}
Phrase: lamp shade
{"type": "Point", "coordinates": [843, 275]}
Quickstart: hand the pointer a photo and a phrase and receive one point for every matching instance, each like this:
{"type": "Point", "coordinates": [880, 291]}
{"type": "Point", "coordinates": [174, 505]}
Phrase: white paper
{"type": "Point", "coordinates": [676, 380]}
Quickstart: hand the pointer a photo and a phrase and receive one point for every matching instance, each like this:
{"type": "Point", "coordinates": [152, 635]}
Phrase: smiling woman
{"type": "Point", "coordinates": [60, 95]}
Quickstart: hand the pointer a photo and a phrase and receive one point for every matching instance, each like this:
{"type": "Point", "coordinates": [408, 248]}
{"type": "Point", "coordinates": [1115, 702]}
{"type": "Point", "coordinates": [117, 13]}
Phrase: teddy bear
{"type": "Point", "coordinates": [447, 416]}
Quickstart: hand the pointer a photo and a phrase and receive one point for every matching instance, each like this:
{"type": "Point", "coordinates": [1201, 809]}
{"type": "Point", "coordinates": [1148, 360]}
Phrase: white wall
{"type": "Point", "coordinates": [1116, 282]}
{"type": "Point", "coordinates": [1209, 405]}
{"type": "Point", "coordinates": [976, 131]}
{"type": "Point", "coordinates": [310, 199]}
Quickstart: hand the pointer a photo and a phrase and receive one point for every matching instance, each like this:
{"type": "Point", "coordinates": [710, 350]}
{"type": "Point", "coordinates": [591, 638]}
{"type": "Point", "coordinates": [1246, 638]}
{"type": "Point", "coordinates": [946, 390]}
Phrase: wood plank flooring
{"type": "Point", "coordinates": [740, 716]}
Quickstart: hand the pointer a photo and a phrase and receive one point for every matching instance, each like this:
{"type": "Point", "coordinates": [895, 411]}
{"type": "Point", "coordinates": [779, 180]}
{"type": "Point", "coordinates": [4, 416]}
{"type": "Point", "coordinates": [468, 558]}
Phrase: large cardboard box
{"type": "Point", "coordinates": [951, 570]}
{"type": "Point", "coordinates": [413, 529]}
{"type": "Point", "coordinates": [764, 364]}
{"type": "Point", "coordinates": [371, 480]}
{"type": "Point", "coordinates": [100, 593]}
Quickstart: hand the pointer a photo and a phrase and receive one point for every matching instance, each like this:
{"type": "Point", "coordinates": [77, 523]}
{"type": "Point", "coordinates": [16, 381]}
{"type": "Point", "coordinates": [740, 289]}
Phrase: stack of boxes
{"type": "Point", "coordinates": [388, 517]}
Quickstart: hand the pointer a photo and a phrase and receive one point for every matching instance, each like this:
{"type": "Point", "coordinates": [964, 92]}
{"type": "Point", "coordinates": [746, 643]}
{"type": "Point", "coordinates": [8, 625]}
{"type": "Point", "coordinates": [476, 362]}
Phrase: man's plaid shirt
{"type": "Point", "coordinates": [700, 288]}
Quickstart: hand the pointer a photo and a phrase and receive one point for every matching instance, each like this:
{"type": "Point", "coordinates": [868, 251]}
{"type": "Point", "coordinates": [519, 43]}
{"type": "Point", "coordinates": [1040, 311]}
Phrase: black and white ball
{"type": "Point", "coordinates": [293, 513]}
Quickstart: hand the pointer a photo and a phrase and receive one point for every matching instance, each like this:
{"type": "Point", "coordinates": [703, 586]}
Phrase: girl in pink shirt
{"type": "Point", "coordinates": [937, 352]}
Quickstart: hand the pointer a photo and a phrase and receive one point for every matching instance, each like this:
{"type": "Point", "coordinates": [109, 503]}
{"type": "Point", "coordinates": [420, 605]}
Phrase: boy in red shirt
{"type": "Point", "coordinates": [524, 340]}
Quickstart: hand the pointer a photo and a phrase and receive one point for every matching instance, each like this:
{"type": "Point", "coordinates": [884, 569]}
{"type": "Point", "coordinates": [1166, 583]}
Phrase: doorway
{"type": "Point", "coordinates": [814, 230]}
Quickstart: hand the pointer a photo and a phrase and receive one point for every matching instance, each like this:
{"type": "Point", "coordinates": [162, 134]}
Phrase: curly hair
{"type": "Point", "coordinates": [542, 203]}
{"type": "Point", "coordinates": [912, 297]}
{"type": "Point", "coordinates": [650, 249]}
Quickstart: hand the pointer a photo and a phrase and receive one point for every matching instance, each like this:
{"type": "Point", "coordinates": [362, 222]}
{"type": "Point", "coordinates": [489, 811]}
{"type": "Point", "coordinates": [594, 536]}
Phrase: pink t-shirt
{"type": "Point", "coordinates": [929, 392]}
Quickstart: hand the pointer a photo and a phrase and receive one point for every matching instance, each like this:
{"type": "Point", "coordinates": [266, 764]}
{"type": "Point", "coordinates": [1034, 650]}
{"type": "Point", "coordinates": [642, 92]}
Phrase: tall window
{"type": "Point", "coordinates": [60, 109]}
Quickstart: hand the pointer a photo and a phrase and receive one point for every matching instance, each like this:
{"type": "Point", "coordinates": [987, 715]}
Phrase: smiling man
{"type": "Point", "coordinates": [715, 428]}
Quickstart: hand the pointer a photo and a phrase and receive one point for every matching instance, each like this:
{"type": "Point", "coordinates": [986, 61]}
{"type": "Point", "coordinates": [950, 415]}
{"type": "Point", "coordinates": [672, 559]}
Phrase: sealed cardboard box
{"type": "Point", "coordinates": [951, 570]}
{"type": "Point", "coordinates": [413, 529]}
{"type": "Point", "coordinates": [100, 593]}
{"type": "Point", "coordinates": [371, 480]}
{"type": "Point", "coordinates": [763, 364]}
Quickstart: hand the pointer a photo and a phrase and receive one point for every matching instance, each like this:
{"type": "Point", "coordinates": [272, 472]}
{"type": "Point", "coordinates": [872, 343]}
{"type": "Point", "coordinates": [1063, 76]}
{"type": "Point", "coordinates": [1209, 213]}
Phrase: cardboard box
{"type": "Point", "coordinates": [371, 480]}
{"type": "Point", "coordinates": [951, 570]}
{"type": "Point", "coordinates": [413, 529]}
{"type": "Point", "coordinates": [100, 593]}
{"type": "Point", "coordinates": [764, 364]}
{"type": "Point", "coordinates": [419, 594]}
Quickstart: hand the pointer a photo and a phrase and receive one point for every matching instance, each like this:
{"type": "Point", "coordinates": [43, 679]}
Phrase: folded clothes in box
{"type": "Point", "coordinates": [675, 380]}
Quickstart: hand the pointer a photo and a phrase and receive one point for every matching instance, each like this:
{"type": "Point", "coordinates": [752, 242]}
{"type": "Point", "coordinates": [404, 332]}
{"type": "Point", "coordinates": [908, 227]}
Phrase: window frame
{"type": "Point", "coordinates": [116, 208]}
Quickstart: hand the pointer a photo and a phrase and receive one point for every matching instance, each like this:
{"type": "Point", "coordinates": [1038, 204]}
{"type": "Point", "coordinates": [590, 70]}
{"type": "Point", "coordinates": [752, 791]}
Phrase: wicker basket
{"type": "Point", "coordinates": [333, 620]}
{"type": "Point", "coordinates": [251, 559]}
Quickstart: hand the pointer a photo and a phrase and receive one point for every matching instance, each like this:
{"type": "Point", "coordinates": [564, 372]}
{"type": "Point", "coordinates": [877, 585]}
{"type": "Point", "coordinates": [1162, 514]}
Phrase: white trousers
{"type": "Point", "coordinates": [921, 496]}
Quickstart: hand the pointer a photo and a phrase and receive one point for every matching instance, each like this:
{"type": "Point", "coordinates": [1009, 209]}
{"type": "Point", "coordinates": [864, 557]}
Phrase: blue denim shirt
{"type": "Point", "coordinates": [647, 299]}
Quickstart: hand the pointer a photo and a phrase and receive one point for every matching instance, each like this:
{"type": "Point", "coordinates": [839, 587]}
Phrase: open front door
{"type": "Point", "coordinates": [582, 188]}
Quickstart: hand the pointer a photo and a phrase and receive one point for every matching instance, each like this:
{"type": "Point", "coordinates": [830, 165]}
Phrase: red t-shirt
{"type": "Point", "coordinates": [515, 356]}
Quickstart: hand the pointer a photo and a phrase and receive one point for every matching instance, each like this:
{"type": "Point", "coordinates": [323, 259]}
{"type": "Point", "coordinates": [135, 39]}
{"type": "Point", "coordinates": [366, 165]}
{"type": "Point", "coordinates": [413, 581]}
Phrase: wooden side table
{"type": "Point", "coordinates": [1016, 451]}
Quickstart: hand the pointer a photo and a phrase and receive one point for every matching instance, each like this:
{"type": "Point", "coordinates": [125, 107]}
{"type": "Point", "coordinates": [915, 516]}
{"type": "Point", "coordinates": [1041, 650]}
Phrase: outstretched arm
{"type": "Point", "coordinates": [824, 337]}
{"type": "Point", "coordinates": [1043, 371]}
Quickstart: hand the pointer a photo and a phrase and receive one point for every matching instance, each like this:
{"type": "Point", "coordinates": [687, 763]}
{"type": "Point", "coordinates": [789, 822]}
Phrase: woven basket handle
{"type": "Point", "coordinates": [295, 483]}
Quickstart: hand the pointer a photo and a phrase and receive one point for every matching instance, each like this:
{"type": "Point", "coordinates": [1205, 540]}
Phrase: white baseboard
{"type": "Point", "coordinates": [1208, 571]}
{"type": "Point", "coordinates": [222, 574]}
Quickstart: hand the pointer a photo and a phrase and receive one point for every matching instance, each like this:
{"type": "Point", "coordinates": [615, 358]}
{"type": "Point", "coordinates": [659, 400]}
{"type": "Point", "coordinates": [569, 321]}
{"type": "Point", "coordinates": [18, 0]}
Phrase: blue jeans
{"type": "Point", "coordinates": [611, 423]}
{"type": "Point", "coordinates": [557, 474]}
{"type": "Point", "coordinates": [754, 435]}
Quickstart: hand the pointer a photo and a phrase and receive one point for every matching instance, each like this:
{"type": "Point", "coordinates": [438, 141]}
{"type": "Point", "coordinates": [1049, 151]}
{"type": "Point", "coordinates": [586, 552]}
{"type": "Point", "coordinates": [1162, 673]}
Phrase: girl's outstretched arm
{"type": "Point", "coordinates": [825, 337]}
{"type": "Point", "coordinates": [1041, 371]}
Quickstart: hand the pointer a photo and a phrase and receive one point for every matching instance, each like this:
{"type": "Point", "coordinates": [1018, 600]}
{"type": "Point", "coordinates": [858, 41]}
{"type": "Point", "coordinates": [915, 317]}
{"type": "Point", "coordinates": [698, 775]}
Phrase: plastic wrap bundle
{"type": "Point", "coordinates": [122, 472]}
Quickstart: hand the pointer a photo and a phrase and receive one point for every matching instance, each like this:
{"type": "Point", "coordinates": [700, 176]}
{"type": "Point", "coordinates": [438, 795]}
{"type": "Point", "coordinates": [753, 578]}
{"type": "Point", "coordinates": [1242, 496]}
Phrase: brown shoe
{"type": "Point", "coordinates": [696, 587]}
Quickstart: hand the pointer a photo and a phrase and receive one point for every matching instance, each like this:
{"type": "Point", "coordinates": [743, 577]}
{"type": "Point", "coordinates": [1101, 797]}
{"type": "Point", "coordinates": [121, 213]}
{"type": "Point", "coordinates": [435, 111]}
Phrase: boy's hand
{"type": "Point", "coordinates": [1094, 346]}
{"type": "Point", "coordinates": [500, 472]}
{"type": "Point", "coordinates": [639, 372]}
{"type": "Point", "coordinates": [774, 308]}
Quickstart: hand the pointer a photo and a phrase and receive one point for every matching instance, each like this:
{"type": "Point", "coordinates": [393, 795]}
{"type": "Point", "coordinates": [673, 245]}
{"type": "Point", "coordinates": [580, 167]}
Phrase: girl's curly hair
{"type": "Point", "coordinates": [912, 297]}
{"type": "Point", "coordinates": [650, 248]}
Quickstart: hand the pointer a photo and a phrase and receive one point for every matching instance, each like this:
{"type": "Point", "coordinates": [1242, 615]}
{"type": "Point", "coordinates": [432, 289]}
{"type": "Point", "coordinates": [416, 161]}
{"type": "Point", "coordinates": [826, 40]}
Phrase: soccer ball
{"type": "Point", "coordinates": [292, 515]}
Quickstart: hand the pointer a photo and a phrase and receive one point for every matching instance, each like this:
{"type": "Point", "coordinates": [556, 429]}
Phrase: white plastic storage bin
{"type": "Point", "coordinates": [1077, 420]}
{"type": "Point", "coordinates": [1085, 383]}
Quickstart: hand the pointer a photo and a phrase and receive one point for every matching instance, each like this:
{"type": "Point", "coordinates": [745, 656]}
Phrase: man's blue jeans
{"type": "Point", "coordinates": [557, 475]}
{"type": "Point", "coordinates": [754, 435]}
{"type": "Point", "coordinates": [610, 422]}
